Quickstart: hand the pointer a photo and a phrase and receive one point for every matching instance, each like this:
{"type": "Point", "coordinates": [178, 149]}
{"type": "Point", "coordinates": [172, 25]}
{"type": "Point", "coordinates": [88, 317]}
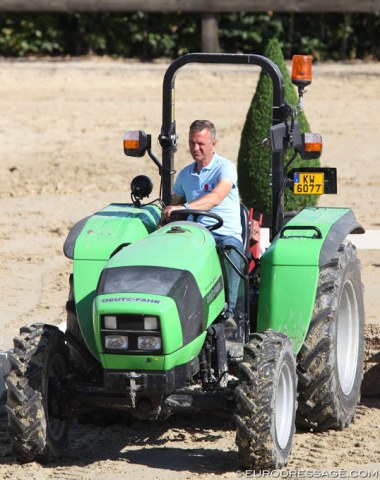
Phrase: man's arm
{"type": "Point", "coordinates": [177, 200]}
{"type": "Point", "coordinates": [210, 200]}
{"type": "Point", "coordinates": [206, 202]}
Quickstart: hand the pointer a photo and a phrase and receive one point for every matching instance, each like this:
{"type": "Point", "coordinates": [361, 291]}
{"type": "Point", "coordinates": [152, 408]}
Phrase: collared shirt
{"type": "Point", "coordinates": [192, 185]}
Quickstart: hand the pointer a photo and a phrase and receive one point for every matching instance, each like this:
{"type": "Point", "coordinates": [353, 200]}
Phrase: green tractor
{"type": "Point", "coordinates": [145, 331]}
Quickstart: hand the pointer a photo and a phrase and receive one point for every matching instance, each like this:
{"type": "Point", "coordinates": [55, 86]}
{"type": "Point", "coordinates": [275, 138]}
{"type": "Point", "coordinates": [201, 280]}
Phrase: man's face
{"type": "Point", "coordinates": [201, 146]}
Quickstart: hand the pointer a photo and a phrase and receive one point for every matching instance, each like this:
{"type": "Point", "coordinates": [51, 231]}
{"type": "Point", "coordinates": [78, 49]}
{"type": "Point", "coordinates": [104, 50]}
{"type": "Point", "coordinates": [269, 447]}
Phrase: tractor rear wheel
{"type": "Point", "coordinates": [266, 401]}
{"type": "Point", "coordinates": [36, 427]}
{"type": "Point", "coordinates": [330, 362]}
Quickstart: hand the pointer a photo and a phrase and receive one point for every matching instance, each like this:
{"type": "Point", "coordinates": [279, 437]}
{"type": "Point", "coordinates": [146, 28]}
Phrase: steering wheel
{"type": "Point", "coordinates": [199, 213]}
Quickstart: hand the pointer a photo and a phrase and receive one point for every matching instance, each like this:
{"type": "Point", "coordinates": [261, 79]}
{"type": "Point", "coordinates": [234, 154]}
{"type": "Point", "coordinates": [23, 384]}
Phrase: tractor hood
{"type": "Point", "coordinates": [173, 275]}
{"type": "Point", "coordinates": [181, 246]}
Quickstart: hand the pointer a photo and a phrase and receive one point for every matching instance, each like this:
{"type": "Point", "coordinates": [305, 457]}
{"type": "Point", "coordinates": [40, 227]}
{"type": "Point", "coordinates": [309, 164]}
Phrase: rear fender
{"type": "Point", "coordinates": [289, 270]}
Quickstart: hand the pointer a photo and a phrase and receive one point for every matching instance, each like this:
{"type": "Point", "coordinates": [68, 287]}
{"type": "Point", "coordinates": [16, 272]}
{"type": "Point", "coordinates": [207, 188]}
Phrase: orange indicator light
{"type": "Point", "coordinates": [313, 142]}
{"type": "Point", "coordinates": [301, 70]}
{"type": "Point", "coordinates": [131, 144]}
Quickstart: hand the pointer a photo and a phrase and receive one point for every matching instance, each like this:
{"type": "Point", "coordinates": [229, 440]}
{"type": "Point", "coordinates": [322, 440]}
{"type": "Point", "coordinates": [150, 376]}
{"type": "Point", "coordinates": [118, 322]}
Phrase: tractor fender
{"type": "Point", "coordinates": [346, 225]}
{"type": "Point", "coordinates": [69, 245]}
{"type": "Point", "coordinates": [290, 268]}
{"type": "Point", "coordinates": [97, 236]}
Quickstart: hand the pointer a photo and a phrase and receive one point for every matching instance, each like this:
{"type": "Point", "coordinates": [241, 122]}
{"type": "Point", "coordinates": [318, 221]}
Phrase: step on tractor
{"type": "Point", "coordinates": [145, 329]}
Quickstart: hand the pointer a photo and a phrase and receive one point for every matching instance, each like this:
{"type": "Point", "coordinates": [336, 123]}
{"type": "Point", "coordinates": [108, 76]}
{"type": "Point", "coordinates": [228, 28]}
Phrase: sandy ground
{"type": "Point", "coordinates": [61, 132]}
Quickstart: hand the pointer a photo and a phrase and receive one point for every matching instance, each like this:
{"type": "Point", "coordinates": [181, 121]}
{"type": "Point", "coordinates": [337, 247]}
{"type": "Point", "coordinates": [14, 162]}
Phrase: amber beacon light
{"type": "Point", "coordinates": [301, 70]}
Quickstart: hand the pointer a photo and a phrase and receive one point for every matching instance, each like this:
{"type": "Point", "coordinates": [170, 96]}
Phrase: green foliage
{"type": "Point", "coordinates": [139, 34]}
{"type": "Point", "coordinates": [29, 35]}
{"type": "Point", "coordinates": [254, 160]}
{"type": "Point", "coordinates": [325, 36]}
{"type": "Point", "coordinates": [150, 35]}
{"type": "Point", "coordinates": [248, 32]}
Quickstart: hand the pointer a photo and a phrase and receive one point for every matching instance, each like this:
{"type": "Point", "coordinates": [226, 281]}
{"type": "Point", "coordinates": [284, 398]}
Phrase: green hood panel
{"type": "Point", "coordinates": [182, 246]}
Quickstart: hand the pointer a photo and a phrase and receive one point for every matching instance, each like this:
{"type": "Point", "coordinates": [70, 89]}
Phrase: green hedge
{"type": "Point", "coordinates": [254, 160]}
{"type": "Point", "coordinates": [151, 35]}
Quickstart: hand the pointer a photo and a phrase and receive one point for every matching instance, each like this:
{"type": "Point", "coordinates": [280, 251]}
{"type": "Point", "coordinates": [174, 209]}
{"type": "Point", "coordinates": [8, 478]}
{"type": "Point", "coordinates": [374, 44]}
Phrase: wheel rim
{"type": "Point", "coordinates": [347, 338]}
{"type": "Point", "coordinates": [56, 425]}
{"type": "Point", "coordinates": [284, 406]}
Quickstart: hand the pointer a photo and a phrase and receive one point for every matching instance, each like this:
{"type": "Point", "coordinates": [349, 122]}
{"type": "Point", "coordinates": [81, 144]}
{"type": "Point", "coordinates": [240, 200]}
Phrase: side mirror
{"type": "Point", "coordinates": [136, 143]}
{"type": "Point", "coordinates": [284, 135]}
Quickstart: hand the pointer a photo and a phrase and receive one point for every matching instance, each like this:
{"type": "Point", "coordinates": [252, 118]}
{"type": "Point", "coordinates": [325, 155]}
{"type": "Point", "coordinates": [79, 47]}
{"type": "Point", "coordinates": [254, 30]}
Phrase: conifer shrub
{"type": "Point", "coordinates": [254, 160]}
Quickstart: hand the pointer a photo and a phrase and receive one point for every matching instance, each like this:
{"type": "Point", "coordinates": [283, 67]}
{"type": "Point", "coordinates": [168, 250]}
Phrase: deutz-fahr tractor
{"type": "Point", "coordinates": [145, 327]}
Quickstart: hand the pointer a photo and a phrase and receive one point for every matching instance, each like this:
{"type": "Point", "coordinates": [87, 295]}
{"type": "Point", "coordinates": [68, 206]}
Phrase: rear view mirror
{"type": "Point", "coordinates": [284, 135]}
{"type": "Point", "coordinates": [136, 143]}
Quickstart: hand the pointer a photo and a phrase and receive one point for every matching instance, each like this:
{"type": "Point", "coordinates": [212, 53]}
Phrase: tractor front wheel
{"type": "Point", "coordinates": [39, 362]}
{"type": "Point", "coordinates": [330, 362]}
{"type": "Point", "coordinates": [266, 402]}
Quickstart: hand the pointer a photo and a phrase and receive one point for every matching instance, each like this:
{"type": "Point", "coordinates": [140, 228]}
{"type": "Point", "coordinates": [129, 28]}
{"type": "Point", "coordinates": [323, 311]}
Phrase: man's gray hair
{"type": "Point", "coordinates": [199, 125]}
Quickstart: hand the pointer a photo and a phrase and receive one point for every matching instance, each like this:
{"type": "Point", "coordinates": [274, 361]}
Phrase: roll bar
{"type": "Point", "coordinates": [168, 135]}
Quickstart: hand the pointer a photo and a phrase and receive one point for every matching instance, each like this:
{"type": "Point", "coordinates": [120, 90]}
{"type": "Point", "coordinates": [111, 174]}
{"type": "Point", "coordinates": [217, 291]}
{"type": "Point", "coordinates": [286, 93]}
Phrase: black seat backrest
{"type": "Point", "coordinates": [244, 218]}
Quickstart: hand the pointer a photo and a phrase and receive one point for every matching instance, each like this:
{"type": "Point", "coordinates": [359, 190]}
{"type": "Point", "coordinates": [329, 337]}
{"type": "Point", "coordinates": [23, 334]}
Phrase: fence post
{"type": "Point", "coordinates": [210, 33]}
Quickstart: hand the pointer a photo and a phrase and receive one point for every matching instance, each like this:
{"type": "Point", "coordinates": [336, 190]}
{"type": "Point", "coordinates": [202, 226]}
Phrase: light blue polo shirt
{"type": "Point", "coordinates": [192, 185]}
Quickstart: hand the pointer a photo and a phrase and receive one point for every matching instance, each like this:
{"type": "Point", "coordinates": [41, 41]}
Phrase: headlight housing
{"type": "Point", "coordinates": [150, 323]}
{"type": "Point", "coordinates": [135, 334]}
{"type": "Point", "coordinates": [110, 322]}
{"type": "Point", "coordinates": [116, 342]}
{"type": "Point", "coordinates": [148, 342]}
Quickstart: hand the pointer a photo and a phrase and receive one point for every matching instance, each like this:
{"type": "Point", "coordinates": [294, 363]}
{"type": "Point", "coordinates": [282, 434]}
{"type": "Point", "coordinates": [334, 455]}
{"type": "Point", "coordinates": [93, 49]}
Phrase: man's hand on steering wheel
{"type": "Point", "coordinates": [181, 212]}
{"type": "Point", "coordinates": [167, 211]}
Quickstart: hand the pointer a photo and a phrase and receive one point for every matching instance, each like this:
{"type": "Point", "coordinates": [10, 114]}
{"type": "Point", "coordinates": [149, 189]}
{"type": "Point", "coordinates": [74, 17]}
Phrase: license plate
{"type": "Point", "coordinates": [309, 183]}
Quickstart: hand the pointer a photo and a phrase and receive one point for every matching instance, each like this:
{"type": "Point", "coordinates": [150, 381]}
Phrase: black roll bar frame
{"type": "Point", "coordinates": [168, 135]}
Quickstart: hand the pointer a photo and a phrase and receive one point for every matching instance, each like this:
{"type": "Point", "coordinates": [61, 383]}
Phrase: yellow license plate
{"type": "Point", "coordinates": [309, 183]}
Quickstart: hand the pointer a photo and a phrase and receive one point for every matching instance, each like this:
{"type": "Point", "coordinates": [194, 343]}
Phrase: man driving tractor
{"type": "Point", "coordinates": [210, 183]}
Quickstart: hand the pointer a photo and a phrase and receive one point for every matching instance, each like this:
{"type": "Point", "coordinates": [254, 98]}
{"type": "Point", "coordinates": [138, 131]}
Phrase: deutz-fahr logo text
{"type": "Point", "coordinates": [130, 299]}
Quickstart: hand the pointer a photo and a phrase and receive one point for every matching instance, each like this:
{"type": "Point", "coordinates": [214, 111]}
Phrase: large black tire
{"type": "Point", "coordinates": [266, 402]}
{"type": "Point", "coordinates": [330, 362]}
{"type": "Point", "coordinates": [39, 362]}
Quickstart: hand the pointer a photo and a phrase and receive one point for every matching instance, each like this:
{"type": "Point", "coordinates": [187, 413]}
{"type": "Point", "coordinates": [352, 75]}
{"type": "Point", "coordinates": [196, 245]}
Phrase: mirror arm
{"type": "Point", "coordinates": [158, 163]}
{"type": "Point", "coordinates": [155, 160]}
